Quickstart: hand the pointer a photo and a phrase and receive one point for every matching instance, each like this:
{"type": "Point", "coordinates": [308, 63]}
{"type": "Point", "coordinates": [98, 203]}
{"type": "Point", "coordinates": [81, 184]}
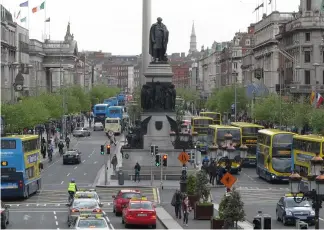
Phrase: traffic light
{"type": "Point", "coordinates": [156, 149]}
{"type": "Point", "coordinates": [152, 149]}
{"type": "Point", "coordinates": [157, 160]}
{"type": "Point", "coordinates": [108, 149]}
{"type": "Point", "coordinates": [257, 223]}
{"type": "Point", "coordinates": [102, 151]}
{"type": "Point", "coordinates": [184, 173]}
{"type": "Point", "coordinates": [165, 160]}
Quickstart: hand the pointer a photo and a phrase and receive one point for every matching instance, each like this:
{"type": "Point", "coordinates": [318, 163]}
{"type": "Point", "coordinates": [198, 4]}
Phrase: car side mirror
{"type": "Point", "coordinates": [101, 205]}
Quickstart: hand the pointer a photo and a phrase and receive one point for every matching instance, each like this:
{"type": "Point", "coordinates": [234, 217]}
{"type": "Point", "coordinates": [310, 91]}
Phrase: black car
{"type": "Point", "coordinates": [4, 215]}
{"type": "Point", "coordinates": [72, 157]}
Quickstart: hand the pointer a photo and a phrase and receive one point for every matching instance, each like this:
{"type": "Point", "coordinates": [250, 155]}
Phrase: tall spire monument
{"type": "Point", "coordinates": [193, 40]}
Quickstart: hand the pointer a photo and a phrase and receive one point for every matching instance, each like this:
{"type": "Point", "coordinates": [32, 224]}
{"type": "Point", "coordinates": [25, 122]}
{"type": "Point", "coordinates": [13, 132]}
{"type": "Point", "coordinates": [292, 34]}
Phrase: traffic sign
{"type": "Point", "coordinates": [228, 180]}
{"type": "Point", "coordinates": [183, 157]}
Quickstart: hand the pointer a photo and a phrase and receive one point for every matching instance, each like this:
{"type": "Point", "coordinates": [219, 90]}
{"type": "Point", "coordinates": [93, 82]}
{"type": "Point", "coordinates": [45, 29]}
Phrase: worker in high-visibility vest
{"type": "Point", "coordinates": [72, 189]}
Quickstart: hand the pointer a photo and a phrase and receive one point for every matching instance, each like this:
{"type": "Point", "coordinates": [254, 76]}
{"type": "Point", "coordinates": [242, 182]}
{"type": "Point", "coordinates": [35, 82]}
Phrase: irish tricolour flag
{"type": "Point", "coordinates": [38, 8]}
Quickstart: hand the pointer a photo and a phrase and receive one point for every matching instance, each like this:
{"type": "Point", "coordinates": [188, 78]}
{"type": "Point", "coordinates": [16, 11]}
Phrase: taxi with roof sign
{"type": "Point", "coordinates": [139, 211]}
{"type": "Point", "coordinates": [83, 206]}
{"type": "Point", "coordinates": [91, 221]}
{"type": "Point", "coordinates": [288, 210]}
{"type": "Point", "coordinates": [122, 198]}
{"type": "Point", "coordinates": [87, 193]}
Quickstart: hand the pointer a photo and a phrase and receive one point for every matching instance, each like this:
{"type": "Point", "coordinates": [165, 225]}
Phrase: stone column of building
{"type": "Point", "coordinates": [146, 23]}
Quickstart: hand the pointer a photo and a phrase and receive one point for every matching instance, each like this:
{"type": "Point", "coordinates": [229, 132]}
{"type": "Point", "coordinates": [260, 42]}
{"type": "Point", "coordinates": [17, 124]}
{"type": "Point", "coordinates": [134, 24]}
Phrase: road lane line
{"type": "Point", "coordinates": [85, 174]}
{"type": "Point", "coordinates": [62, 182]}
{"type": "Point", "coordinates": [89, 155]}
{"type": "Point", "coordinates": [83, 161]}
{"type": "Point", "coordinates": [249, 177]}
{"type": "Point", "coordinates": [95, 162]}
{"type": "Point", "coordinates": [54, 213]}
{"type": "Point", "coordinates": [56, 222]}
{"type": "Point", "coordinates": [75, 167]}
{"type": "Point", "coordinates": [68, 174]}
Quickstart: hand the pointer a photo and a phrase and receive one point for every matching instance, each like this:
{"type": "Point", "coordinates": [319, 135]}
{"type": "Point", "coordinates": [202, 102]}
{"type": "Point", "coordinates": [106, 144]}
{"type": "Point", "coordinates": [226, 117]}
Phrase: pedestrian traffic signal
{"type": "Point", "coordinates": [102, 151]}
{"type": "Point", "coordinates": [108, 149]}
{"type": "Point", "coordinates": [152, 149]}
{"type": "Point", "coordinates": [157, 160]}
{"type": "Point", "coordinates": [257, 223]}
{"type": "Point", "coordinates": [156, 149]}
{"type": "Point", "coordinates": [165, 160]}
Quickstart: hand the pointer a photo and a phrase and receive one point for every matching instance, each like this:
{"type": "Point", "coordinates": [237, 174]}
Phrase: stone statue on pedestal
{"type": "Point", "coordinates": [159, 38]}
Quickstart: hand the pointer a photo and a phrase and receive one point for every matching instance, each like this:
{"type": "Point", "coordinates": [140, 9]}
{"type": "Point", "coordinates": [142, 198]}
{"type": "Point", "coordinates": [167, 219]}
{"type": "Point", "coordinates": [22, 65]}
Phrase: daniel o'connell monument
{"type": "Point", "coordinates": [158, 98]}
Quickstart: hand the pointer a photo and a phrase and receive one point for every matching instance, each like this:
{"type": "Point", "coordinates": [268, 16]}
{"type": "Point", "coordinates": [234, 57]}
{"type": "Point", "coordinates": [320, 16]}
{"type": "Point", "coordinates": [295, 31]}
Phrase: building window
{"type": "Point", "coordinates": [307, 57]}
{"type": "Point", "coordinates": [247, 42]}
{"type": "Point", "coordinates": [235, 65]}
{"type": "Point", "coordinates": [307, 77]}
{"type": "Point", "coordinates": [309, 5]}
{"type": "Point", "coordinates": [235, 54]}
{"type": "Point", "coordinates": [307, 37]}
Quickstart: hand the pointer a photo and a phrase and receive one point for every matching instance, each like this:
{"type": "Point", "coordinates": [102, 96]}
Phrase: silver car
{"type": "Point", "coordinates": [81, 132]}
{"type": "Point", "coordinates": [98, 126]}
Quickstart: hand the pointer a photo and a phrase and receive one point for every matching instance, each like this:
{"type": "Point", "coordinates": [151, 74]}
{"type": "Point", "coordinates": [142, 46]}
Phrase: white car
{"type": "Point", "coordinates": [87, 194]}
{"type": "Point", "coordinates": [92, 221]}
{"type": "Point", "coordinates": [98, 126]}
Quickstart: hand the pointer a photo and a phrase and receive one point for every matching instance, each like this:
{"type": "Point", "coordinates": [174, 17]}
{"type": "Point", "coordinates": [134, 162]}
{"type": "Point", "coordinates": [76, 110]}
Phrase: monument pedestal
{"type": "Point", "coordinates": [158, 129]}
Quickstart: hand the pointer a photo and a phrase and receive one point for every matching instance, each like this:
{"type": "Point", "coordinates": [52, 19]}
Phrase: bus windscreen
{"type": "Point", "coordinates": [202, 122]}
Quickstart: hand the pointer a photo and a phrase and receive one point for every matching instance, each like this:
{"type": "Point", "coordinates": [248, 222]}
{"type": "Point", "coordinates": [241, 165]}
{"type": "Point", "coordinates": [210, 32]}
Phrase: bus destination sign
{"type": "Point", "coordinates": [249, 140]}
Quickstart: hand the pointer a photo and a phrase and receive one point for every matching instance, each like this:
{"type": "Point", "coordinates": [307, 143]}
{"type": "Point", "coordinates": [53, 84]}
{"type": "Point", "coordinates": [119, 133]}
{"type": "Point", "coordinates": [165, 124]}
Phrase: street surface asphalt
{"type": "Point", "coordinates": [47, 210]}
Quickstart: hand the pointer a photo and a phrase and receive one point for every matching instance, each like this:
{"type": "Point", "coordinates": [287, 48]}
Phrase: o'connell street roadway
{"type": "Point", "coordinates": [258, 195]}
{"type": "Point", "coordinates": [47, 210]}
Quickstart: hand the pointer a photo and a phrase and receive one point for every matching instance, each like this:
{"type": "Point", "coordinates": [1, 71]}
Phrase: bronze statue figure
{"type": "Point", "coordinates": [159, 37]}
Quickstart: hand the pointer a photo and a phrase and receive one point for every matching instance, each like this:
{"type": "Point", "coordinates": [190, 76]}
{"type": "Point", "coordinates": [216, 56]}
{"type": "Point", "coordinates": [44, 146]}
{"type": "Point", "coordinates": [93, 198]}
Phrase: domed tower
{"type": "Point", "coordinates": [193, 41]}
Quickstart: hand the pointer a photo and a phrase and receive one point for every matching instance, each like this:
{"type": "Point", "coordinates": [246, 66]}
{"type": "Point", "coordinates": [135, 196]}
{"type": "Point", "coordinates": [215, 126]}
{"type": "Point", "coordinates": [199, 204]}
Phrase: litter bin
{"type": "Point", "coordinates": [120, 177]}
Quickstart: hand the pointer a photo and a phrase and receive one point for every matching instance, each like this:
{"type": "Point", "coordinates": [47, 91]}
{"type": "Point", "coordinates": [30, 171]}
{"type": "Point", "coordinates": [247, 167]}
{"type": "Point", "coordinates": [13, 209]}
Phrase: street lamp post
{"type": "Point", "coordinates": [315, 186]}
{"type": "Point", "coordinates": [184, 140]}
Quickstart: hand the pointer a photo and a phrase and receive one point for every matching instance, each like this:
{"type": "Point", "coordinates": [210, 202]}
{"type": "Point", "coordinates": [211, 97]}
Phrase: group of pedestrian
{"type": "Point", "coordinates": [215, 171]}
{"type": "Point", "coordinates": [182, 206]}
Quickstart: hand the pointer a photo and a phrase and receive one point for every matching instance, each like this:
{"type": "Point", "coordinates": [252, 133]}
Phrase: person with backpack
{"type": "Point", "coordinates": [137, 172]}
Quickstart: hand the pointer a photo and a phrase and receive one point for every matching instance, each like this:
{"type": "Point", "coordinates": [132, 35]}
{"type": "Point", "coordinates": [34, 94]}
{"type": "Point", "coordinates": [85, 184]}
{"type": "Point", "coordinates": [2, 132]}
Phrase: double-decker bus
{"type": "Point", "coordinates": [100, 112]}
{"type": "Point", "coordinates": [113, 101]}
{"type": "Point", "coordinates": [200, 125]}
{"type": "Point", "coordinates": [216, 135]}
{"type": "Point", "coordinates": [115, 112]}
{"type": "Point", "coordinates": [274, 154]}
{"type": "Point", "coordinates": [304, 148]}
{"type": "Point", "coordinates": [121, 99]}
{"type": "Point", "coordinates": [20, 171]}
{"type": "Point", "coordinates": [216, 116]}
{"type": "Point", "coordinates": [249, 138]}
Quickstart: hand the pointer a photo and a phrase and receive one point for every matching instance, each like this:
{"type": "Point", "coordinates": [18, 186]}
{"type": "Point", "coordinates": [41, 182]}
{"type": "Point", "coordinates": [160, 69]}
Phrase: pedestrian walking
{"type": "Point", "coordinates": [176, 203]}
{"type": "Point", "coordinates": [114, 162]}
{"type": "Point", "coordinates": [137, 172]}
{"type": "Point", "coordinates": [186, 210]}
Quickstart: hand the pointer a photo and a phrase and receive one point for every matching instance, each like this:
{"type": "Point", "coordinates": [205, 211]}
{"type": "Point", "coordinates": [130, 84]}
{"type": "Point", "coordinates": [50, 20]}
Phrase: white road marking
{"type": "Point", "coordinates": [85, 174]}
{"type": "Point", "coordinates": [58, 229]}
{"type": "Point", "coordinates": [95, 162]}
{"type": "Point", "coordinates": [62, 182]}
{"type": "Point", "coordinates": [37, 205]}
{"type": "Point", "coordinates": [55, 217]}
{"type": "Point", "coordinates": [56, 222]}
{"type": "Point", "coordinates": [44, 205]}
{"type": "Point", "coordinates": [68, 174]}
{"type": "Point", "coordinates": [75, 167]}
{"type": "Point", "coordinates": [89, 155]}
{"type": "Point", "coordinates": [54, 213]}
{"type": "Point", "coordinates": [83, 161]}
{"type": "Point", "coordinates": [27, 205]}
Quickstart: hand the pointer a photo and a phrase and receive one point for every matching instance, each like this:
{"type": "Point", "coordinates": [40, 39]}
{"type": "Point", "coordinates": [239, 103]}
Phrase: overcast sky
{"type": "Point", "coordinates": [116, 25]}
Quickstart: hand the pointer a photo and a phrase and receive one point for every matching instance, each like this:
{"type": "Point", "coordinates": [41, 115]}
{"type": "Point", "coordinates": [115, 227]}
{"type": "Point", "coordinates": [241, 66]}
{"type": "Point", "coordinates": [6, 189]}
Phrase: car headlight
{"type": "Point", "coordinates": [288, 213]}
{"type": "Point", "coordinates": [312, 213]}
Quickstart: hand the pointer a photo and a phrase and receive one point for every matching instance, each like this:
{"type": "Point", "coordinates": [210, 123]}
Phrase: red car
{"type": "Point", "coordinates": [122, 198]}
{"type": "Point", "coordinates": [139, 212]}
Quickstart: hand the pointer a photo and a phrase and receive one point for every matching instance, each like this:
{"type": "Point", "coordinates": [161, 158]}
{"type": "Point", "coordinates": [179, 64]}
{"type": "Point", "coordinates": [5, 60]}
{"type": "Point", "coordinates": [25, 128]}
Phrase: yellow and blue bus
{"type": "Point", "coordinates": [200, 125]}
{"type": "Point", "coordinates": [216, 116]}
{"type": "Point", "coordinates": [20, 170]}
{"type": "Point", "coordinates": [249, 138]}
{"type": "Point", "coordinates": [304, 148]}
{"type": "Point", "coordinates": [274, 162]}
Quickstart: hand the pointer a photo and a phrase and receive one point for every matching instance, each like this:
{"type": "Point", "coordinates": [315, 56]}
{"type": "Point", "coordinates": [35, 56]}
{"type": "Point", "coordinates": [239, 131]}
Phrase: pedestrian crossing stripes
{"type": "Point", "coordinates": [261, 189]}
{"type": "Point", "coordinates": [59, 198]}
{"type": "Point", "coordinates": [258, 197]}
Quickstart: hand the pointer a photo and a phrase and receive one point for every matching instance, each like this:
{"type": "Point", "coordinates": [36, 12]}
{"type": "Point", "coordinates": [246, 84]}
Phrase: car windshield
{"type": "Point", "coordinates": [290, 203]}
{"type": "Point", "coordinates": [85, 195]}
{"type": "Point", "coordinates": [98, 124]}
{"type": "Point", "coordinates": [130, 195]}
{"type": "Point", "coordinates": [71, 152]}
{"type": "Point", "coordinates": [78, 128]}
{"type": "Point", "coordinates": [142, 205]}
{"type": "Point", "coordinates": [85, 204]}
{"type": "Point", "coordinates": [98, 223]}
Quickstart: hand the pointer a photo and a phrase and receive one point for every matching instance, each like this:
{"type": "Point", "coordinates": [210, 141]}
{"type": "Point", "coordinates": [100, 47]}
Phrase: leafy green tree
{"type": "Point", "coordinates": [101, 92]}
{"type": "Point", "coordinates": [231, 208]}
{"type": "Point", "coordinates": [72, 104]}
{"type": "Point", "coordinates": [299, 114]}
{"type": "Point", "coordinates": [222, 100]}
{"type": "Point", "coordinates": [188, 95]}
{"type": "Point", "coordinates": [53, 103]}
{"type": "Point", "coordinates": [134, 111]}
{"type": "Point", "coordinates": [316, 120]}
{"type": "Point", "coordinates": [202, 189]}
{"type": "Point", "coordinates": [82, 96]}
{"type": "Point", "coordinates": [268, 109]}
{"type": "Point", "coordinates": [34, 111]}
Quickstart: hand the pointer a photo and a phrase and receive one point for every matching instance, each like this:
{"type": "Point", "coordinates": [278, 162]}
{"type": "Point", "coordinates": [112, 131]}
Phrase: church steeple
{"type": "Point", "coordinates": [193, 41]}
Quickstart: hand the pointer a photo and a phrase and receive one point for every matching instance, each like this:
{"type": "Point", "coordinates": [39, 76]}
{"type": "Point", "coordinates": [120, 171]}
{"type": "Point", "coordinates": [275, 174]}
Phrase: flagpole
{"type": "Point", "coordinates": [45, 21]}
{"type": "Point", "coordinates": [29, 19]}
{"type": "Point", "coordinates": [275, 2]}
